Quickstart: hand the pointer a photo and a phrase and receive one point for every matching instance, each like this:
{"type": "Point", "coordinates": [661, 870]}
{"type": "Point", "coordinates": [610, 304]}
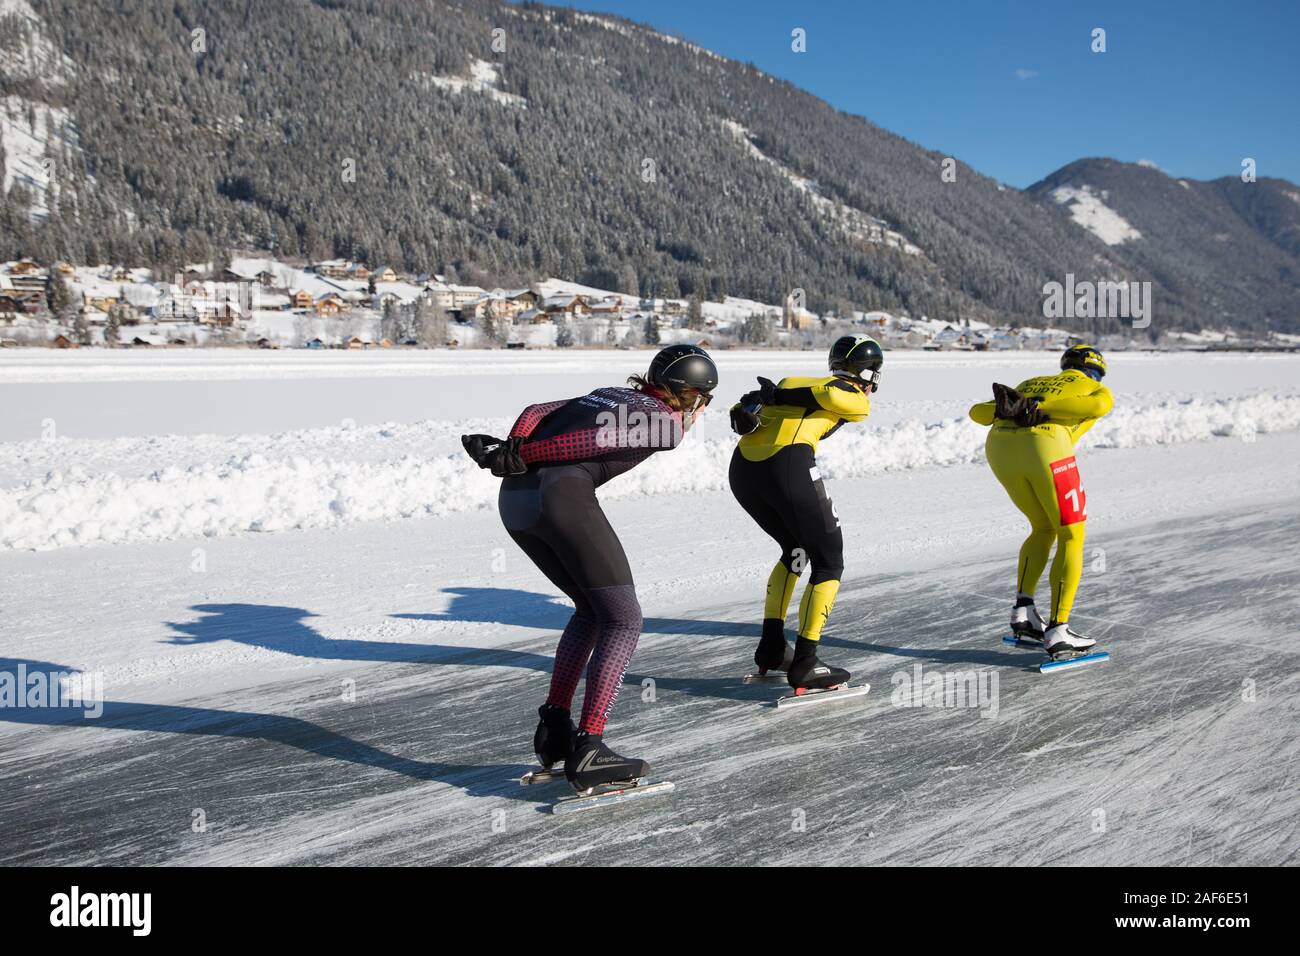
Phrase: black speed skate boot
{"type": "Point", "coordinates": [592, 764]}
{"type": "Point", "coordinates": [808, 673]}
{"type": "Point", "coordinates": [553, 741]}
{"type": "Point", "coordinates": [774, 652]}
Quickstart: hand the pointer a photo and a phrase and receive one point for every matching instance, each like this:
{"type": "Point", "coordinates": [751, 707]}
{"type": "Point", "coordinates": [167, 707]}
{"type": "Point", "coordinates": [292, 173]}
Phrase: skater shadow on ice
{"type": "Point", "coordinates": [283, 629]}
{"type": "Point", "coordinates": [518, 608]}
{"type": "Point", "coordinates": [940, 655]}
{"type": "Point", "coordinates": [37, 693]}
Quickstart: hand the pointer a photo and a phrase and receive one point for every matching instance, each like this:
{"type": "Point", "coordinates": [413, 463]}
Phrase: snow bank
{"type": "Point", "coordinates": [307, 479]}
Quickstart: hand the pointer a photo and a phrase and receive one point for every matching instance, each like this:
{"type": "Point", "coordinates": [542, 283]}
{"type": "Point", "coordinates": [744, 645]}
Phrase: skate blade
{"type": "Point", "coordinates": [1073, 662]}
{"type": "Point", "coordinates": [1018, 641]}
{"type": "Point", "coordinates": [765, 677]}
{"type": "Point", "coordinates": [622, 792]}
{"type": "Point", "coordinates": [534, 777]}
{"type": "Point", "coordinates": [810, 697]}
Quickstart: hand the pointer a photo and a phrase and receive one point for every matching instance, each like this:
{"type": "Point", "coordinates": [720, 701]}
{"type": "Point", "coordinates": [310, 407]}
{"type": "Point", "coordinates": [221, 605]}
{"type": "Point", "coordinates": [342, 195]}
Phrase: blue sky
{"type": "Point", "coordinates": [1013, 89]}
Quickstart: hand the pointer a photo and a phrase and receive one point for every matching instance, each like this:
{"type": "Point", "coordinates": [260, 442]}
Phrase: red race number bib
{"type": "Point", "coordinates": [1070, 496]}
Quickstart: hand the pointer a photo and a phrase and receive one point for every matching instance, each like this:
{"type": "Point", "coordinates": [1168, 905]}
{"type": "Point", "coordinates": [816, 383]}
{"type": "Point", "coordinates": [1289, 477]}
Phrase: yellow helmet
{"type": "Point", "coordinates": [1086, 359]}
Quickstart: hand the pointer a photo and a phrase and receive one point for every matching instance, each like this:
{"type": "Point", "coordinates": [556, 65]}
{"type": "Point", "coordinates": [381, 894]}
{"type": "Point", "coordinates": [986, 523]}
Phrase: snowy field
{"type": "Point", "coordinates": [315, 639]}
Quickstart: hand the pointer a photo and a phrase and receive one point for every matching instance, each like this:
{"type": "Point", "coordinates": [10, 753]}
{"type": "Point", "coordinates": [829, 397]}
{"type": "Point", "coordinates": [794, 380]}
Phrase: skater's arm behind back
{"type": "Point", "coordinates": [532, 416]}
{"type": "Point", "coordinates": [982, 413]}
{"type": "Point", "coordinates": [831, 394]}
{"type": "Point", "coordinates": [1078, 405]}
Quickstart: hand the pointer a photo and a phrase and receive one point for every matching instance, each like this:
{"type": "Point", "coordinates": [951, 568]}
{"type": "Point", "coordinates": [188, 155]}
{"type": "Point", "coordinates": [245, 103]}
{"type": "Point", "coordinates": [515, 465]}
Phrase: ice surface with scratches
{"type": "Point", "coordinates": [1088, 208]}
{"type": "Point", "coordinates": [222, 657]}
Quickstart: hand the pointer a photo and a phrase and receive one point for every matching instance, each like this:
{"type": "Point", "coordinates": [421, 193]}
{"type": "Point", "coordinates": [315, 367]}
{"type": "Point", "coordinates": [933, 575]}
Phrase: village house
{"type": "Point", "coordinates": [524, 298]}
{"type": "Point", "coordinates": [607, 307]}
{"type": "Point", "coordinates": [330, 304]}
{"type": "Point", "coordinates": [501, 305]}
{"type": "Point", "coordinates": [26, 276]}
{"type": "Point", "coordinates": [103, 298]}
{"type": "Point", "coordinates": [461, 294]}
{"type": "Point", "coordinates": [438, 293]}
{"type": "Point", "coordinates": [300, 299]}
{"type": "Point", "coordinates": [397, 293]}
{"type": "Point", "coordinates": [333, 268]}
{"type": "Point", "coordinates": [568, 305]}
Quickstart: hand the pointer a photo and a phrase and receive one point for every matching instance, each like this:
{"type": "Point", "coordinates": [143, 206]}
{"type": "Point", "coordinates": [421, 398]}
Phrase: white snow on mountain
{"type": "Point", "coordinates": [853, 221]}
{"type": "Point", "coordinates": [34, 56]}
{"type": "Point", "coordinates": [1088, 208]}
{"type": "Point", "coordinates": [484, 78]}
{"type": "Point", "coordinates": [32, 131]}
{"type": "Point", "coordinates": [32, 134]}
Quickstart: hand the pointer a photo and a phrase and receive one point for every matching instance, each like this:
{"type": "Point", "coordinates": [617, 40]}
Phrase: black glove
{"type": "Point", "coordinates": [744, 416]}
{"type": "Point", "coordinates": [1010, 405]}
{"type": "Point", "coordinates": [1006, 401]}
{"type": "Point", "coordinates": [1029, 414]}
{"type": "Point", "coordinates": [766, 391]}
{"type": "Point", "coordinates": [501, 457]}
{"type": "Point", "coordinates": [506, 460]}
{"type": "Point", "coordinates": [479, 447]}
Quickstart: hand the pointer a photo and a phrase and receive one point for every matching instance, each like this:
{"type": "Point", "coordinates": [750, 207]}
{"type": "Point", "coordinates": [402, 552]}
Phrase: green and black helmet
{"type": "Point", "coordinates": [859, 357]}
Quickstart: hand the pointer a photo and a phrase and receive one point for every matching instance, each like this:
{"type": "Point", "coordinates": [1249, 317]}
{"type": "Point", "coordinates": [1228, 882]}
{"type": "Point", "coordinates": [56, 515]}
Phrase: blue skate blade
{"type": "Point", "coordinates": [1017, 642]}
{"type": "Point", "coordinates": [1055, 667]}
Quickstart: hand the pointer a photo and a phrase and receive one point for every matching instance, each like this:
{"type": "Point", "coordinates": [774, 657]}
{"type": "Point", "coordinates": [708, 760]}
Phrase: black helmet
{"type": "Point", "coordinates": [1086, 359]}
{"type": "Point", "coordinates": [680, 367]}
{"type": "Point", "coordinates": [858, 356]}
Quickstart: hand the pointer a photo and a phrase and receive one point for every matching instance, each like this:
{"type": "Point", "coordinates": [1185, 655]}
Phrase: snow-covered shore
{"type": "Point", "coordinates": [333, 476]}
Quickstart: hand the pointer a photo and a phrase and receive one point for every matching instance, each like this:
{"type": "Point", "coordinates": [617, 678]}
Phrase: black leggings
{"type": "Point", "coordinates": [788, 499]}
{"type": "Point", "coordinates": [553, 515]}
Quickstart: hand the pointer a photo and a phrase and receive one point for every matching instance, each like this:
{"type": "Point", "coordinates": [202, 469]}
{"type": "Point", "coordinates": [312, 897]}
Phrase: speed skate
{"type": "Point", "coordinates": [619, 791]}
{"type": "Point", "coordinates": [808, 696]}
{"type": "Point", "coordinates": [1065, 661]}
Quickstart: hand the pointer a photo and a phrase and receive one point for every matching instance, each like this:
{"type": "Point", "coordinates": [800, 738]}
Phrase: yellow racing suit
{"type": "Point", "coordinates": [1037, 467]}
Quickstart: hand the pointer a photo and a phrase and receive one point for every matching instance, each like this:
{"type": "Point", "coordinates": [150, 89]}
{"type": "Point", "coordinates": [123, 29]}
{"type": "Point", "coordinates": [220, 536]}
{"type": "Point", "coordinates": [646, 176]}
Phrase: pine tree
{"type": "Point", "coordinates": [59, 295]}
{"type": "Point", "coordinates": [563, 334]}
{"type": "Point", "coordinates": [80, 328]}
{"type": "Point", "coordinates": [695, 314]}
{"type": "Point", "coordinates": [112, 327]}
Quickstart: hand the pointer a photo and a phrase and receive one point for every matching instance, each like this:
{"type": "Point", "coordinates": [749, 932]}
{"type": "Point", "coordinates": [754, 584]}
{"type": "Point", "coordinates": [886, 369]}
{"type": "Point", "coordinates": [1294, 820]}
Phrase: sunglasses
{"type": "Point", "coordinates": [702, 399]}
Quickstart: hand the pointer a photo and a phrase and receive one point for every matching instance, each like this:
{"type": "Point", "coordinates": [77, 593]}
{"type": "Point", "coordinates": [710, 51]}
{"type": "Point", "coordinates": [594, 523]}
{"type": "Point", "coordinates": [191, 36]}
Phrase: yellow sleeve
{"type": "Point", "coordinates": [1078, 405]}
{"type": "Point", "coordinates": [982, 413]}
{"type": "Point", "coordinates": [847, 401]}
